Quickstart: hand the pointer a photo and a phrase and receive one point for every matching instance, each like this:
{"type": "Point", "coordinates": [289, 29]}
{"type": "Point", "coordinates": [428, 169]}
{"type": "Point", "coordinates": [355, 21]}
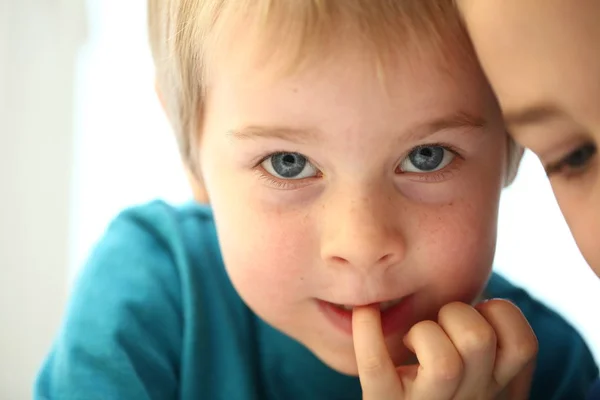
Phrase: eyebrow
{"type": "Point", "coordinates": [458, 120]}
{"type": "Point", "coordinates": [533, 115]}
{"type": "Point", "coordinates": [300, 135]}
{"type": "Point", "coordinates": [296, 135]}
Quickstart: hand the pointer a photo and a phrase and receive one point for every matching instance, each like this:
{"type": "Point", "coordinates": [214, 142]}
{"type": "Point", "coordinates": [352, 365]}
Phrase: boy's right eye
{"type": "Point", "coordinates": [290, 166]}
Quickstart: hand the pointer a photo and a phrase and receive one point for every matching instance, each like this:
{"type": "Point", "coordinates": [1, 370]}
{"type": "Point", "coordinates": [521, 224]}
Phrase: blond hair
{"type": "Point", "coordinates": [184, 33]}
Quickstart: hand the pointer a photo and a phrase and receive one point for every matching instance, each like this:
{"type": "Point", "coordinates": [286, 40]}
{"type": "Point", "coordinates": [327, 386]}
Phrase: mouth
{"type": "Point", "coordinates": [396, 314]}
{"type": "Point", "coordinates": [383, 306]}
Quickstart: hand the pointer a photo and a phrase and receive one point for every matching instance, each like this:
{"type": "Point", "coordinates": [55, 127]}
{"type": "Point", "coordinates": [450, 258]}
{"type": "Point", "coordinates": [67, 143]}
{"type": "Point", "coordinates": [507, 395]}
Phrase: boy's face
{"type": "Point", "coordinates": [330, 186]}
{"type": "Point", "coordinates": [545, 68]}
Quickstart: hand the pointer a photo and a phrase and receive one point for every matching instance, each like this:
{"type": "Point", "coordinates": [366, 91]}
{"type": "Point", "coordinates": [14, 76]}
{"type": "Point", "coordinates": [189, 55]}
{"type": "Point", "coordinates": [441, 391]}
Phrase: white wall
{"type": "Point", "coordinates": [125, 153]}
{"type": "Point", "coordinates": [37, 46]}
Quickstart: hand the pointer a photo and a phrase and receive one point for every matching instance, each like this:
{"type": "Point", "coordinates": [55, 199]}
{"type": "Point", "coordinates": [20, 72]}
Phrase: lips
{"type": "Point", "coordinates": [396, 314]}
{"type": "Point", "coordinates": [383, 306]}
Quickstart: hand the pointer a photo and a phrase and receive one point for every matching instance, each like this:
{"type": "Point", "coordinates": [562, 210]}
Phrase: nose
{"type": "Point", "coordinates": [361, 232]}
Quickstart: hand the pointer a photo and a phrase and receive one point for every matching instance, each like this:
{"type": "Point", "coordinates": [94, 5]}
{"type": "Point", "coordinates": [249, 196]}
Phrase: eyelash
{"type": "Point", "coordinates": [563, 168]}
{"type": "Point", "coordinates": [292, 184]}
{"type": "Point", "coordinates": [282, 184]}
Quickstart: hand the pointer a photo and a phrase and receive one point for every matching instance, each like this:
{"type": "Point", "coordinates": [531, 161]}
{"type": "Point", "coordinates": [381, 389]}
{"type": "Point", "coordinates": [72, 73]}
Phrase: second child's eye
{"type": "Point", "coordinates": [289, 166]}
{"type": "Point", "coordinates": [580, 157]}
{"type": "Point", "coordinates": [425, 159]}
{"type": "Point", "coordinates": [575, 161]}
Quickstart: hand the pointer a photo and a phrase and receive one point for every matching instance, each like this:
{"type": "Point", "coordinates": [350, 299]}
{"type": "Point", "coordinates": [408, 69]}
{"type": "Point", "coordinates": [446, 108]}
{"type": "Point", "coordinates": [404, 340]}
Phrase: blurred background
{"type": "Point", "coordinates": [82, 136]}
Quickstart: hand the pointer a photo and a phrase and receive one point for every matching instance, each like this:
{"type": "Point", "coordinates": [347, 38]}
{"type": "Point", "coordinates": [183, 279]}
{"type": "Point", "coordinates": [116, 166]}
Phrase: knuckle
{"type": "Point", "coordinates": [524, 351]}
{"type": "Point", "coordinates": [422, 326]}
{"type": "Point", "coordinates": [447, 369]}
{"type": "Point", "coordinates": [450, 308]}
{"type": "Point", "coordinates": [500, 306]}
{"type": "Point", "coordinates": [477, 339]}
{"type": "Point", "coordinates": [371, 366]}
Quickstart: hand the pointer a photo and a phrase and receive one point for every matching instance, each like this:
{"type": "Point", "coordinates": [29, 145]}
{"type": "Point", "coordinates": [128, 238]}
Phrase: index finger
{"type": "Point", "coordinates": [376, 370]}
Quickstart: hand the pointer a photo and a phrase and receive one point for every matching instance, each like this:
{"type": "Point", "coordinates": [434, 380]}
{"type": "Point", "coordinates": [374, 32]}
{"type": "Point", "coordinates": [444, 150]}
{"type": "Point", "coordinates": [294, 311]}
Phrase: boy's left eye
{"type": "Point", "coordinates": [289, 166]}
{"type": "Point", "coordinates": [429, 158]}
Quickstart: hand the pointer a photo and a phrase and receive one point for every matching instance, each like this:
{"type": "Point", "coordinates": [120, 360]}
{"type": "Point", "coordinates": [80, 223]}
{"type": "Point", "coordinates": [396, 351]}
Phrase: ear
{"type": "Point", "coordinates": [198, 190]}
{"type": "Point", "coordinates": [514, 155]}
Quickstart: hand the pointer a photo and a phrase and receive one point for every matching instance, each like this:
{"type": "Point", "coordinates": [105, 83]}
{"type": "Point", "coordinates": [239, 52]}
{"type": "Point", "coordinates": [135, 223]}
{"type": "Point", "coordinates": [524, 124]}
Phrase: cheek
{"type": "Point", "coordinates": [459, 252]}
{"type": "Point", "coordinates": [456, 240]}
{"type": "Point", "coordinates": [457, 219]}
{"type": "Point", "coordinates": [587, 241]}
{"type": "Point", "coordinates": [583, 218]}
{"type": "Point", "coordinates": [267, 254]}
{"type": "Point", "coordinates": [265, 249]}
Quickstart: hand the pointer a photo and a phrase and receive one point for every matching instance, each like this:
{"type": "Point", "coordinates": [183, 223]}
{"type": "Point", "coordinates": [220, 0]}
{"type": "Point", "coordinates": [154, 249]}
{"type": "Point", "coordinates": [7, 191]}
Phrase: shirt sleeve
{"type": "Point", "coordinates": [121, 338]}
{"type": "Point", "coordinates": [594, 392]}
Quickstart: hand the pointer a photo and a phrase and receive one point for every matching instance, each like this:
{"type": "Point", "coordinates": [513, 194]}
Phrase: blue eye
{"type": "Point", "coordinates": [289, 166]}
{"type": "Point", "coordinates": [424, 159]}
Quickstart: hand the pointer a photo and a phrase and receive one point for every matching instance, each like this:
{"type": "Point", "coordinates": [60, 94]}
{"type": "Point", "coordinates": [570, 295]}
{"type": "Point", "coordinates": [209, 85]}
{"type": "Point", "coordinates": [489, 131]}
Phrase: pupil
{"type": "Point", "coordinates": [288, 165]}
{"type": "Point", "coordinates": [426, 152]}
{"type": "Point", "coordinates": [288, 159]}
{"type": "Point", "coordinates": [427, 158]}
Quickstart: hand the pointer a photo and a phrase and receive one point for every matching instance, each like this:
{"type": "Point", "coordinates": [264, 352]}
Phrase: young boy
{"type": "Point", "coordinates": [353, 156]}
{"type": "Point", "coordinates": [544, 64]}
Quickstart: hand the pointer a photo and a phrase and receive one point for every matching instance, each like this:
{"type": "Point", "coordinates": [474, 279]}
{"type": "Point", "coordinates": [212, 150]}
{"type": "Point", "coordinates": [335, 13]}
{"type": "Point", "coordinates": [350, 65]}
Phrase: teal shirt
{"type": "Point", "coordinates": [154, 316]}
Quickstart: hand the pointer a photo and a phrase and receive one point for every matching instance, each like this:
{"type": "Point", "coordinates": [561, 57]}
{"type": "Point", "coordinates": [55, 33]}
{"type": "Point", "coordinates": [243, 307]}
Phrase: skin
{"type": "Point", "coordinates": [546, 58]}
{"type": "Point", "coordinates": [361, 227]}
{"type": "Point", "coordinates": [480, 353]}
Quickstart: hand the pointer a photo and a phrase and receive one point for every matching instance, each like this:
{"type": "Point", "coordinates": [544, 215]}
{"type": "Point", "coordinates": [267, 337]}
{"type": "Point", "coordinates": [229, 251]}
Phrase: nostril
{"type": "Point", "coordinates": [385, 258]}
{"type": "Point", "coordinates": [339, 260]}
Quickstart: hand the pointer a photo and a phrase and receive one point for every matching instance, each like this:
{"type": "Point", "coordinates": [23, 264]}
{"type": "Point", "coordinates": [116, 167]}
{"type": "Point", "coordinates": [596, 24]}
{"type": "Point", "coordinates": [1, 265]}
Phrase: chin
{"type": "Point", "coordinates": [345, 365]}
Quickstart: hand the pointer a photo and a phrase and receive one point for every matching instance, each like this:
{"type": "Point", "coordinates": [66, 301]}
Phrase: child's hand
{"type": "Point", "coordinates": [486, 352]}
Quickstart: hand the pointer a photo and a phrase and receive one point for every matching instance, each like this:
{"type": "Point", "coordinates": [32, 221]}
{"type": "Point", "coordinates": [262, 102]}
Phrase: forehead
{"type": "Point", "coordinates": [413, 84]}
{"type": "Point", "coordinates": [285, 37]}
{"type": "Point", "coordinates": [406, 66]}
{"type": "Point", "coordinates": [553, 68]}
{"type": "Point", "coordinates": [554, 91]}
